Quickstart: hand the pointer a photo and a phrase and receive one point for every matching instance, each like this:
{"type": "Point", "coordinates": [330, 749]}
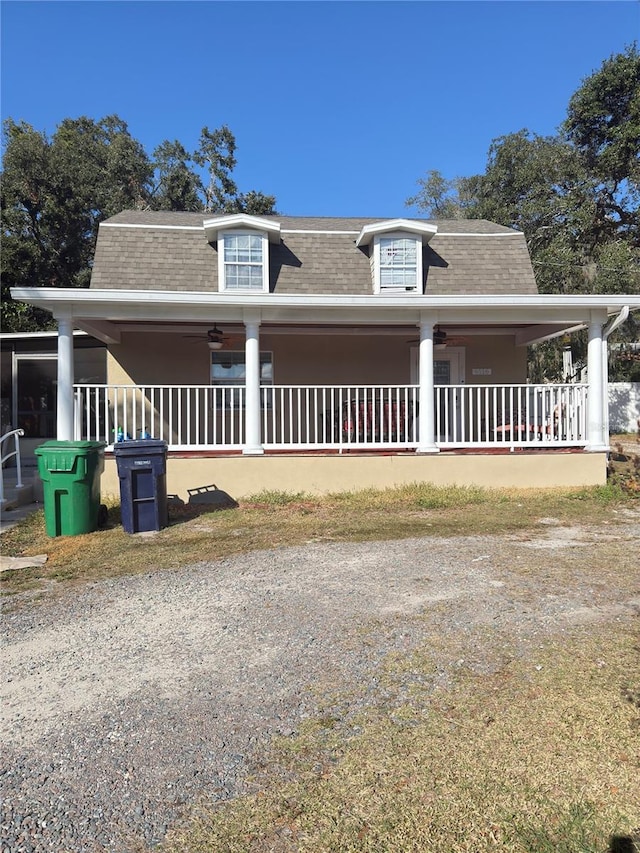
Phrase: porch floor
{"type": "Point", "coordinates": [331, 452]}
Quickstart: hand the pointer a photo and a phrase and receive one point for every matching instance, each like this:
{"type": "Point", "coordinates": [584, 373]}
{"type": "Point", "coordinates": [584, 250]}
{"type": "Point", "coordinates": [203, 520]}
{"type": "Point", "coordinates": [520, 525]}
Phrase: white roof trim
{"type": "Point", "coordinates": [425, 229]}
{"type": "Point", "coordinates": [13, 336]}
{"type": "Point", "coordinates": [311, 231]}
{"type": "Point", "coordinates": [154, 227]}
{"type": "Point", "coordinates": [212, 227]}
{"type": "Point", "coordinates": [77, 297]}
{"type": "Point", "coordinates": [480, 234]}
{"type": "Point", "coordinates": [117, 306]}
{"type": "Point", "coordinates": [149, 225]}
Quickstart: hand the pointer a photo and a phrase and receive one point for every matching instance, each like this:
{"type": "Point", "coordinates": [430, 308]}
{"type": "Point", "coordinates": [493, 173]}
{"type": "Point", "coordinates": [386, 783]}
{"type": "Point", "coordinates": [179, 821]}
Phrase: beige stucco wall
{"type": "Point", "coordinates": [241, 476]}
{"type": "Point", "coordinates": [497, 353]}
{"type": "Point", "coordinates": [147, 358]}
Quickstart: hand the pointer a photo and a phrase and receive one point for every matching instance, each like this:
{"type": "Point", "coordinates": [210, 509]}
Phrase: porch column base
{"type": "Point", "coordinates": [427, 448]}
{"type": "Point", "coordinates": [255, 450]}
{"type": "Point", "coordinates": [597, 448]}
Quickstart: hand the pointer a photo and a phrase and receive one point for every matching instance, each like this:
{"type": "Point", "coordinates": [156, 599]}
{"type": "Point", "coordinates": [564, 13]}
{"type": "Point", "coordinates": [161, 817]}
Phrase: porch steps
{"type": "Point", "coordinates": [28, 492]}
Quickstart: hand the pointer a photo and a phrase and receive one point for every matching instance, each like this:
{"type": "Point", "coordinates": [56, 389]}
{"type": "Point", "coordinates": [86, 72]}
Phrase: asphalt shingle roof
{"type": "Point", "coordinates": [145, 250]}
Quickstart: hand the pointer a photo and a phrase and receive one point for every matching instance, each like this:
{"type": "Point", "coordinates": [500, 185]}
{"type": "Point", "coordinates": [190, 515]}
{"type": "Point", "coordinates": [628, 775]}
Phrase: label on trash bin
{"type": "Point", "coordinates": [142, 462]}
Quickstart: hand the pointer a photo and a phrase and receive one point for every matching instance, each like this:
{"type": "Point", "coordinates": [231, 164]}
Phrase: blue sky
{"type": "Point", "coordinates": [337, 107]}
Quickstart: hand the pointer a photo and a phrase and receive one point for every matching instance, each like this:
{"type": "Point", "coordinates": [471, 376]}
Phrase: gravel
{"type": "Point", "coordinates": [124, 701]}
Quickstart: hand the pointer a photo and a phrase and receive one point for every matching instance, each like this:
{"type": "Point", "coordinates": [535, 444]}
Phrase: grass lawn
{"type": "Point", "coordinates": [538, 757]}
{"type": "Point", "coordinates": [274, 519]}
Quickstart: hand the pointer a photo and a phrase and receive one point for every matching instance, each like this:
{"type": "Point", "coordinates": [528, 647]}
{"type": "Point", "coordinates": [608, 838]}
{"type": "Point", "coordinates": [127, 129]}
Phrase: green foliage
{"type": "Point", "coordinates": [54, 194]}
{"type": "Point", "coordinates": [575, 195]}
{"type": "Point", "coordinates": [603, 122]}
{"type": "Point", "coordinates": [177, 186]}
{"type": "Point", "coordinates": [56, 191]}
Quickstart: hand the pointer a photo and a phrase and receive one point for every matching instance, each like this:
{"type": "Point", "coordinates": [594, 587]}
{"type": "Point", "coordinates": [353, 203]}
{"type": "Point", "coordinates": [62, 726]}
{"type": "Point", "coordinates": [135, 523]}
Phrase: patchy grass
{"type": "Point", "coordinates": [533, 752]}
{"type": "Point", "coordinates": [623, 470]}
{"type": "Point", "coordinates": [538, 756]}
{"type": "Point", "coordinates": [276, 519]}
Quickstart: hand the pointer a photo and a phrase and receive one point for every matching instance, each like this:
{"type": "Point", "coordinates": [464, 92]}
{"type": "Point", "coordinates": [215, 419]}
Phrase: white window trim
{"type": "Point", "coordinates": [395, 235]}
{"type": "Point", "coordinates": [241, 232]}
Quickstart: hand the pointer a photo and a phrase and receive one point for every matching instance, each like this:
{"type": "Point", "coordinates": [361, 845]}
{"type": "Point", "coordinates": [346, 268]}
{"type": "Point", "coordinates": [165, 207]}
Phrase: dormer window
{"type": "Point", "coordinates": [243, 251]}
{"type": "Point", "coordinates": [398, 262]}
{"type": "Point", "coordinates": [242, 261]}
{"type": "Point", "coordinates": [396, 257]}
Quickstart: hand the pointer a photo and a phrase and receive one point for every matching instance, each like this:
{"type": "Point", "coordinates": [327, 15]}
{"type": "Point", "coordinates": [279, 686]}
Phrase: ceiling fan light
{"type": "Point", "coordinates": [215, 338]}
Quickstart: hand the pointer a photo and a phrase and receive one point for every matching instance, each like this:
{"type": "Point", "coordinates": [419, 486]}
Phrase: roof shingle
{"type": "Point", "coordinates": [149, 250]}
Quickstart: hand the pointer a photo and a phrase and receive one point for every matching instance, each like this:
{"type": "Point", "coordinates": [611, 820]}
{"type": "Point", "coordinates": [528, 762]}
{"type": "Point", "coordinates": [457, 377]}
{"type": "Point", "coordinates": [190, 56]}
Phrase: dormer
{"type": "Point", "coordinates": [396, 257]}
{"type": "Point", "coordinates": [243, 251]}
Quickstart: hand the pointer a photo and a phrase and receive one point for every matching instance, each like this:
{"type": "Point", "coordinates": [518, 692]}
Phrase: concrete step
{"type": "Point", "coordinates": [28, 492]}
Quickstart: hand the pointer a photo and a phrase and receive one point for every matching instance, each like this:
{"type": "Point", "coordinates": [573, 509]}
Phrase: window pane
{"type": "Point", "coordinates": [394, 252]}
{"type": "Point", "coordinates": [398, 263]}
{"type": "Point", "coordinates": [243, 277]}
{"type": "Point", "coordinates": [228, 368]}
{"type": "Point", "coordinates": [442, 372]}
{"type": "Point", "coordinates": [244, 262]}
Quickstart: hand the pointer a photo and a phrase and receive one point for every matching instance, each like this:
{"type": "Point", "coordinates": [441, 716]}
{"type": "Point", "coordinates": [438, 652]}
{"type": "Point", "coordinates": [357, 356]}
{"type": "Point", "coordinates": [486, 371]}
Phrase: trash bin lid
{"type": "Point", "coordinates": [137, 446]}
{"type": "Point", "coordinates": [79, 447]}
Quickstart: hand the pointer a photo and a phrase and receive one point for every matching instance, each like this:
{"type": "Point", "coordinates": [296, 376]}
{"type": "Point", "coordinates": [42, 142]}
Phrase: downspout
{"type": "Point", "coordinates": [615, 323]}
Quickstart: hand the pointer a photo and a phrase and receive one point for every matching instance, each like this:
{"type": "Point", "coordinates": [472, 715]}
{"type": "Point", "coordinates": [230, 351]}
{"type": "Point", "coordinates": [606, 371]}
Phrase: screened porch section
{"type": "Point", "coordinates": [334, 418]}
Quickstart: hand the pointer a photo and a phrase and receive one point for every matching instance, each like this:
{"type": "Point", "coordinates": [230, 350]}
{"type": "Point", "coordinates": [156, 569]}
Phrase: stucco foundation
{"type": "Point", "coordinates": [240, 476]}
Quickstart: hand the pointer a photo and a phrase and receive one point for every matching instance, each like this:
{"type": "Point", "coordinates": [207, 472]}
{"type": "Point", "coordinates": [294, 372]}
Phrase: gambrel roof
{"type": "Point", "coordinates": [145, 250]}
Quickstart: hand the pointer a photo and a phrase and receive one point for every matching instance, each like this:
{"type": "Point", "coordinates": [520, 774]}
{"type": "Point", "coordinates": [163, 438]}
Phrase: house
{"type": "Point", "coordinates": [319, 354]}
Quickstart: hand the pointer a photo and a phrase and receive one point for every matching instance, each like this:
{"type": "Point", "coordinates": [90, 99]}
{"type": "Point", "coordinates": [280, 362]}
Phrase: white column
{"type": "Point", "coordinates": [426, 417]}
{"type": "Point", "coordinates": [605, 388]}
{"type": "Point", "coordinates": [65, 430]}
{"type": "Point", "coordinates": [595, 394]}
{"type": "Point", "coordinates": [253, 444]}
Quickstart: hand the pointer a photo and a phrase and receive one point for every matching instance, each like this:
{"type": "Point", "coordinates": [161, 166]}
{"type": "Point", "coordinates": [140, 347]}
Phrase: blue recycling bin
{"type": "Point", "coordinates": [142, 472]}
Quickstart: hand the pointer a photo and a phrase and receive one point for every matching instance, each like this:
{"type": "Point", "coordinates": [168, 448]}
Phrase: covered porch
{"type": "Point", "coordinates": [375, 389]}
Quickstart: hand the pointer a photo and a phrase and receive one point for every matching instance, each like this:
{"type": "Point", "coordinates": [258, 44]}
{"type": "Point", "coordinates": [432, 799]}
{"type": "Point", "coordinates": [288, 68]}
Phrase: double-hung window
{"type": "Point", "coordinates": [229, 376]}
{"type": "Point", "coordinates": [398, 262]}
{"type": "Point", "coordinates": [243, 261]}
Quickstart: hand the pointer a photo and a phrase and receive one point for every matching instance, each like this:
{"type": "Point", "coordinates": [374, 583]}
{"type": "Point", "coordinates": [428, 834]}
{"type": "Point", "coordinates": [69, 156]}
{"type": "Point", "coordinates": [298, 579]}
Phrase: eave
{"type": "Point", "coordinates": [212, 227]}
{"type": "Point", "coordinates": [425, 230]}
{"type": "Point", "coordinates": [110, 307]}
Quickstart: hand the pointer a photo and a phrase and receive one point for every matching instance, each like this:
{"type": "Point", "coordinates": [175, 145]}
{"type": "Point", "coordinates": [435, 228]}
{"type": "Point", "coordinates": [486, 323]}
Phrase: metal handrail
{"type": "Point", "coordinates": [4, 457]}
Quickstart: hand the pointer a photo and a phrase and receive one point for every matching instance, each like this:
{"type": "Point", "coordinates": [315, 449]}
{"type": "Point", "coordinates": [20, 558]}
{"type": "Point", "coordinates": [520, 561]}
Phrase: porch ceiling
{"type": "Point", "coordinates": [534, 317]}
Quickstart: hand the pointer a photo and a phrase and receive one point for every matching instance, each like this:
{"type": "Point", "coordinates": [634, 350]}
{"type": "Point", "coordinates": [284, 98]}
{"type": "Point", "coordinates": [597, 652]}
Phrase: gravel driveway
{"type": "Point", "coordinates": [124, 700]}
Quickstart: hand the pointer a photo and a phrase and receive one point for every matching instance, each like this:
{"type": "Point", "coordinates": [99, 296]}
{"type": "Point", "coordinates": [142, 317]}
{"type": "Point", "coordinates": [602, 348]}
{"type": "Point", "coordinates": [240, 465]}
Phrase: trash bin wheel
{"type": "Point", "coordinates": [103, 515]}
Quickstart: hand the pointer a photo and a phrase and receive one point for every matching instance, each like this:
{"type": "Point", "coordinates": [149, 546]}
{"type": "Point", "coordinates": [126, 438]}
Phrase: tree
{"type": "Point", "coordinates": [575, 195]}
{"type": "Point", "coordinates": [54, 194]}
{"type": "Point", "coordinates": [177, 187]}
{"type": "Point", "coordinates": [217, 155]}
{"type": "Point", "coordinates": [603, 123]}
{"type": "Point", "coordinates": [56, 191]}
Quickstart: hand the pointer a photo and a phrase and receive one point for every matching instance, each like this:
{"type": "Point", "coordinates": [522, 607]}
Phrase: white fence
{"type": "Point", "coordinates": [624, 406]}
{"type": "Point", "coordinates": [296, 417]}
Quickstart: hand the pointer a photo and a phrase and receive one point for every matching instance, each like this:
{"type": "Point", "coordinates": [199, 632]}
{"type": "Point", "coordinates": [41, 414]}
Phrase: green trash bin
{"type": "Point", "coordinates": [70, 472]}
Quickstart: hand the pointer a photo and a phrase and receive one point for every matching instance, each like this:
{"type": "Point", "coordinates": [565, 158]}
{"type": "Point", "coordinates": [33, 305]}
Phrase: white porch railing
{"type": "Point", "coordinates": [297, 417]}
{"type": "Point", "coordinates": [512, 415]}
{"type": "Point", "coordinates": [6, 454]}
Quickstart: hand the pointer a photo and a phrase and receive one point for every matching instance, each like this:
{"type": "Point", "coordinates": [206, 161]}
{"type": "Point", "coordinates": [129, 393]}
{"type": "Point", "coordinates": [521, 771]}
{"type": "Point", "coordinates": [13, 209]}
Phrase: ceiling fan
{"type": "Point", "coordinates": [214, 337]}
{"type": "Point", "coordinates": [441, 339]}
